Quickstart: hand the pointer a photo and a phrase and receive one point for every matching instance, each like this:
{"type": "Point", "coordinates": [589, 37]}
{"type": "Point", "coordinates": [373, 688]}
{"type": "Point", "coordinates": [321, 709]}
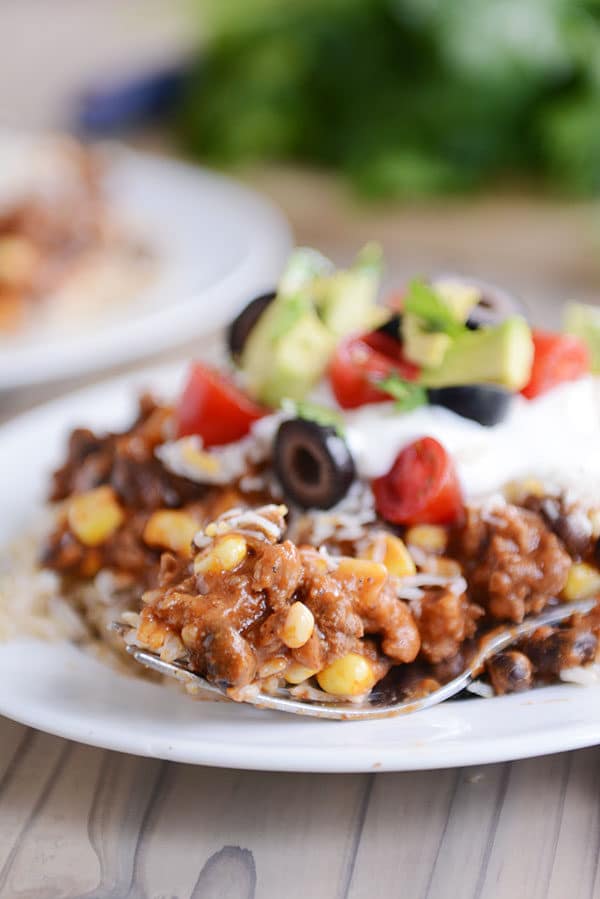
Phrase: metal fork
{"type": "Point", "coordinates": [373, 706]}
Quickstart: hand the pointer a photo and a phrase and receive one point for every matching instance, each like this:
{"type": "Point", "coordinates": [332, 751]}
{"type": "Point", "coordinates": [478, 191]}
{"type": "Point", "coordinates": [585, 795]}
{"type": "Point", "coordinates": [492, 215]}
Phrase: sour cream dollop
{"type": "Point", "coordinates": [555, 438]}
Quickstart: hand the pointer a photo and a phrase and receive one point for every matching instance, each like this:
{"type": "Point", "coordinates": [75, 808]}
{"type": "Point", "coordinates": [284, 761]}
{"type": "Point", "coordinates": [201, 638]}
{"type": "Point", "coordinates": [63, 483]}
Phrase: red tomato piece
{"type": "Point", "coordinates": [422, 486]}
{"type": "Point", "coordinates": [395, 300]}
{"type": "Point", "coordinates": [214, 408]}
{"type": "Point", "coordinates": [556, 358]}
{"type": "Point", "coordinates": [360, 361]}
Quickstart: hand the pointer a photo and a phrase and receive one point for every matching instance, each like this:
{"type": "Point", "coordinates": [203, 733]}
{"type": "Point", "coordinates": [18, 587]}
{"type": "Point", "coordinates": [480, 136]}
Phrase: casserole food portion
{"type": "Point", "coordinates": [63, 249]}
{"type": "Point", "coordinates": [364, 495]}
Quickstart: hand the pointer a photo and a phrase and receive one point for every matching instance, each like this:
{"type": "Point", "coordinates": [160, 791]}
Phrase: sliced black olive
{"type": "Point", "coordinates": [240, 327]}
{"type": "Point", "coordinates": [392, 326]}
{"type": "Point", "coordinates": [486, 403]}
{"type": "Point", "coordinates": [313, 463]}
{"type": "Point", "coordinates": [494, 306]}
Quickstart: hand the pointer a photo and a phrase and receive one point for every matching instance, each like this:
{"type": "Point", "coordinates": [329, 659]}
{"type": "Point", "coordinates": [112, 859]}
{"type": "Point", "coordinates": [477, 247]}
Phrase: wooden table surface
{"type": "Point", "coordinates": [78, 821]}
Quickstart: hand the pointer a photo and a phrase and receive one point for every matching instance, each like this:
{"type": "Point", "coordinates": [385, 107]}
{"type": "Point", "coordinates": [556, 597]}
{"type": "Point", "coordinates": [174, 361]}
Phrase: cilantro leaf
{"type": "Point", "coordinates": [408, 394]}
{"type": "Point", "coordinates": [286, 313]}
{"type": "Point", "coordinates": [321, 415]}
{"type": "Point", "coordinates": [423, 301]}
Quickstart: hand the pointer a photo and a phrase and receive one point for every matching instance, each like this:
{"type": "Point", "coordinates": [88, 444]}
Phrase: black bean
{"type": "Point", "coordinates": [510, 672]}
{"type": "Point", "coordinates": [565, 648]}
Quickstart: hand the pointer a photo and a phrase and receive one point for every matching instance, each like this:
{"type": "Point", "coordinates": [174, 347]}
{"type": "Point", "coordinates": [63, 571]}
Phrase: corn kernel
{"type": "Point", "coordinates": [429, 537]}
{"type": "Point", "coordinates": [199, 459]}
{"type": "Point", "coordinates": [362, 575]}
{"type": "Point", "coordinates": [299, 625]}
{"type": "Point", "coordinates": [362, 569]}
{"type": "Point", "coordinates": [224, 555]}
{"type": "Point", "coordinates": [94, 516]}
{"type": "Point", "coordinates": [171, 529]}
{"type": "Point", "coordinates": [391, 552]}
{"type": "Point", "coordinates": [517, 491]}
{"type": "Point", "coordinates": [350, 675]}
{"type": "Point", "coordinates": [296, 674]}
{"type": "Point", "coordinates": [583, 581]}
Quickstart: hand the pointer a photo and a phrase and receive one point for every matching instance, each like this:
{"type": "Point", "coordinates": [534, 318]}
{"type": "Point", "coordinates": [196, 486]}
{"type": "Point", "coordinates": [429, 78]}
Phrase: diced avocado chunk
{"type": "Point", "coordinates": [584, 322]}
{"type": "Point", "coordinates": [460, 296]}
{"type": "Point", "coordinates": [434, 314]}
{"type": "Point", "coordinates": [303, 266]}
{"type": "Point", "coordinates": [346, 299]}
{"type": "Point", "coordinates": [288, 349]}
{"type": "Point", "coordinates": [421, 346]}
{"type": "Point", "coordinates": [500, 355]}
{"type": "Point", "coordinates": [286, 363]}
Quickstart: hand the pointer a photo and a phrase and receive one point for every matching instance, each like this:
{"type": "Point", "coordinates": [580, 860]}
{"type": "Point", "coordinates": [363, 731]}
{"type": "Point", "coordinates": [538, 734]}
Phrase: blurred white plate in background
{"type": "Point", "coordinates": [217, 245]}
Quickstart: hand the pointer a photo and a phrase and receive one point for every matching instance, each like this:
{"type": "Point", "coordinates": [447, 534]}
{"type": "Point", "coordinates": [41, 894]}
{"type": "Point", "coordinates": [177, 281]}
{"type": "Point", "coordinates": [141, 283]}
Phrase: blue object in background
{"type": "Point", "coordinates": [112, 107]}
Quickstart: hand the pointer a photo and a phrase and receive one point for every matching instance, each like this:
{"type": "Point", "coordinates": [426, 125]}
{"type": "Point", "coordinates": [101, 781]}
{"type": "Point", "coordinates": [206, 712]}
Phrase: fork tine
{"type": "Point", "coordinates": [366, 710]}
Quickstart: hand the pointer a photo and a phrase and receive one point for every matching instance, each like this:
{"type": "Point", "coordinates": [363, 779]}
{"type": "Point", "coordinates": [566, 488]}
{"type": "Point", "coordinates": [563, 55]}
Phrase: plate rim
{"type": "Point", "coordinates": [270, 241]}
{"type": "Point", "coordinates": [317, 760]}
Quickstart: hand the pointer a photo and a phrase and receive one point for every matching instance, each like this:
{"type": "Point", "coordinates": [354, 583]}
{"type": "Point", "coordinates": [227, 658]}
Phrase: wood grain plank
{"type": "Point", "coordinates": [12, 739]}
{"type": "Point", "coordinates": [54, 857]}
{"type": "Point", "coordinates": [23, 791]}
{"type": "Point", "coordinates": [126, 791]}
{"type": "Point", "coordinates": [228, 874]}
{"type": "Point", "coordinates": [76, 821]}
{"type": "Point", "coordinates": [402, 834]}
{"type": "Point", "coordinates": [522, 853]}
{"type": "Point", "coordinates": [575, 867]}
{"type": "Point", "coordinates": [469, 830]}
{"type": "Point", "coordinates": [221, 829]}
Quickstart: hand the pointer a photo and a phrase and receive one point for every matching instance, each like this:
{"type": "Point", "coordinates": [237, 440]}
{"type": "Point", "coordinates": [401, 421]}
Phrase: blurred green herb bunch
{"type": "Point", "coordinates": [405, 97]}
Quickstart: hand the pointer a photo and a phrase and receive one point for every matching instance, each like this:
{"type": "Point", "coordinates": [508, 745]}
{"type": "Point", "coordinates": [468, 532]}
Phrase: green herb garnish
{"type": "Point", "coordinates": [289, 311]}
{"type": "Point", "coordinates": [423, 301]}
{"type": "Point", "coordinates": [370, 258]}
{"type": "Point", "coordinates": [321, 415]}
{"type": "Point", "coordinates": [408, 394]}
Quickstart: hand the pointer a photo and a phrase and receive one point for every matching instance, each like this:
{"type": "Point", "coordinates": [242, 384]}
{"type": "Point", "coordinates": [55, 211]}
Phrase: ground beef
{"type": "Point", "coordinates": [126, 462]}
{"type": "Point", "coordinates": [278, 571]}
{"type": "Point", "coordinates": [230, 626]}
{"type": "Point", "coordinates": [124, 552]}
{"type": "Point", "coordinates": [445, 621]}
{"type": "Point", "coordinates": [568, 520]}
{"type": "Point", "coordinates": [513, 563]}
{"type": "Point", "coordinates": [232, 622]}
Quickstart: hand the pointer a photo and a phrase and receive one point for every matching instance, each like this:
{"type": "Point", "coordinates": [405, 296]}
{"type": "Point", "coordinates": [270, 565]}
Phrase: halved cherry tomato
{"type": "Point", "coordinates": [395, 300]}
{"type": "Point", "coordinates": [360, 361]}
{"type": "Point", "coordinates": [421, 487]}
{"type": "Point", "coordinates": [214, 408]}
{"type": "Point", "coordinates": [557, 358]}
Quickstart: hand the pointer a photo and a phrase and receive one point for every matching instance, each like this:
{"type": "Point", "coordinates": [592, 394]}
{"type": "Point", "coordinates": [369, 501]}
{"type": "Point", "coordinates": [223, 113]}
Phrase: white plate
{"type": "Point", "coordinates": [57, 688]}
{"type": "Point", "coordinates": [217, 242]}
